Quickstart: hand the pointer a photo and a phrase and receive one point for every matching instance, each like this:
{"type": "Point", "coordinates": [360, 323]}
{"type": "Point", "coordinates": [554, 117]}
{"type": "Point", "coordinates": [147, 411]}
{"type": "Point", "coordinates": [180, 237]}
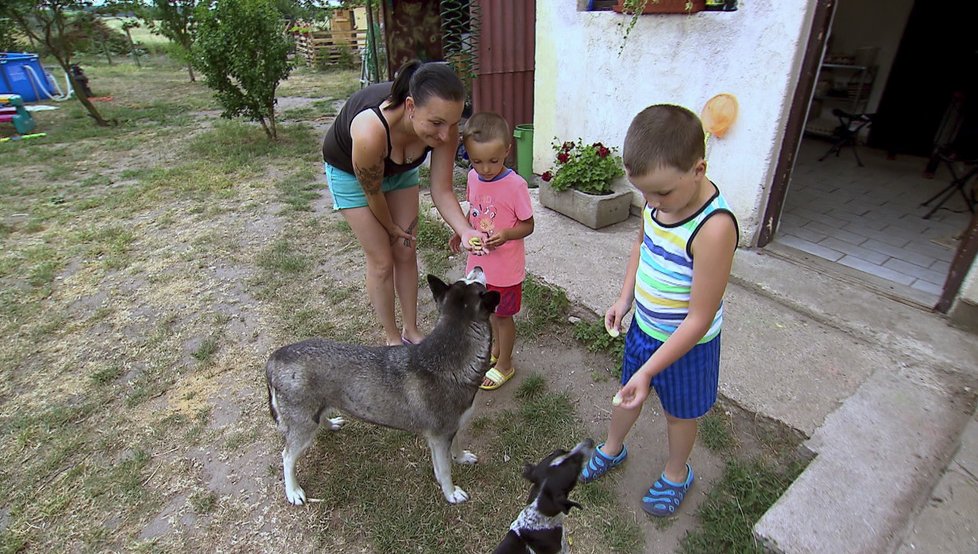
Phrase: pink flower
{"type": "Point", "coordinates": [547, 176]}
{"type": "Point", "coordinates": [563, 157]}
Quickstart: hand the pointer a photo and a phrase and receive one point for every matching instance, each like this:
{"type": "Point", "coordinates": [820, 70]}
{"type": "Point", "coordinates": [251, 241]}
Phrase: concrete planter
{"type": "Point", "coordinates": [595, 211]}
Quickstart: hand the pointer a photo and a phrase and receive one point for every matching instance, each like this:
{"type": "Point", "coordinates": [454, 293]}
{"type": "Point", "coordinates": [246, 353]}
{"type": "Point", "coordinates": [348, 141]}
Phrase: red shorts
{"type": "Point", "coordinates": [509, 299]}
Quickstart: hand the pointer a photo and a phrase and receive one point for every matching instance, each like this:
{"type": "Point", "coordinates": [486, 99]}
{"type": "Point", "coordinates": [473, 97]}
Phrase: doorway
{"type": "Point", "coordinates": [912, 69]}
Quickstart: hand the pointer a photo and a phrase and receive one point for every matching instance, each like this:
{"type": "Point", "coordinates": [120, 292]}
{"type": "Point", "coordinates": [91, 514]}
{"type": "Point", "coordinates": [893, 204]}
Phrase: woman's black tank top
{"type": "Point", "coordinates": [338, 145]}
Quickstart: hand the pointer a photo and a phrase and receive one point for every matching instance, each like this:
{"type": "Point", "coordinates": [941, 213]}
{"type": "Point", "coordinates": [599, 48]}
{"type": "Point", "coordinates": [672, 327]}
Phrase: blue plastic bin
{"type": "Point", "coordinates": [21, 73]}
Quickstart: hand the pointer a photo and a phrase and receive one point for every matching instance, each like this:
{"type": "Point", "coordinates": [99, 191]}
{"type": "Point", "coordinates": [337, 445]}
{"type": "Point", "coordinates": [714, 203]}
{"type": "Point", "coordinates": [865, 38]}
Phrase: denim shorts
{"type": "Point", "coordinates": [688, 387]}
{"type": "Point", "coordinates": [347, 192]}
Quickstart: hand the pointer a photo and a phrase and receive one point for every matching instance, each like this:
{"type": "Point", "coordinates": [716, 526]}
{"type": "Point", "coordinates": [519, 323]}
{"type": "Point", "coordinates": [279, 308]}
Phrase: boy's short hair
{"type": "Point", "coordinates": [486, 127]}
{"type": "Point", "coordinates": [663, 136]}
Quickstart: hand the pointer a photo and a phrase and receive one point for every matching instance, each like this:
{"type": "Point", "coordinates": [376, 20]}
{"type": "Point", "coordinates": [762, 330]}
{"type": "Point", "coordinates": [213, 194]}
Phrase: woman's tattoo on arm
{"type": "Point", "coordinates": [370, 178]}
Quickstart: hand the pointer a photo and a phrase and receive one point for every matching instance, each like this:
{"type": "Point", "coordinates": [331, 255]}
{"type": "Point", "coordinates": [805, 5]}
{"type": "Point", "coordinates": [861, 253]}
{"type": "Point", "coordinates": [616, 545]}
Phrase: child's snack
{"type": "Point", "coordinates": [616, 401]}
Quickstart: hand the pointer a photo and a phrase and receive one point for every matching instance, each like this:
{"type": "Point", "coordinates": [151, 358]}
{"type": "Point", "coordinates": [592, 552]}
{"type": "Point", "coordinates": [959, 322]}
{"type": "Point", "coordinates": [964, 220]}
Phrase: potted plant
{"type": "Point", "coordinates": [581, 185]}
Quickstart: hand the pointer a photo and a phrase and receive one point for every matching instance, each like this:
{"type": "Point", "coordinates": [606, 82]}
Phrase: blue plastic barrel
{"type": "Point", "coordinates": [21, 73]}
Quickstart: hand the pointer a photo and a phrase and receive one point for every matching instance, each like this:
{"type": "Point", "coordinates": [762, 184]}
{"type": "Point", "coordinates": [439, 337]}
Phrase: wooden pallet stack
{"type": "Point", "coordinates": [340, 45]}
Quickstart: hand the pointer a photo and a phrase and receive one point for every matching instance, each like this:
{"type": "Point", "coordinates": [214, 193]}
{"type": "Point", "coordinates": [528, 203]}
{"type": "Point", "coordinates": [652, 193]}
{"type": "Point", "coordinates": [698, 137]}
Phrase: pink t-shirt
{"type": "Point", "coordinates": [496, 205]}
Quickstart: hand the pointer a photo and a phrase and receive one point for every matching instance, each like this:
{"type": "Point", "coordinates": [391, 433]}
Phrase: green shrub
{"type": "Point", "coordinates": [242, 51]}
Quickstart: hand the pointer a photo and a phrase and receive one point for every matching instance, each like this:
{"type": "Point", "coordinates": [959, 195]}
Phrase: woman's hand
{"type": "Point", "coordinates": [455, 243]}
{"type": "Point", "coordinates": [475, 247]}
{"type": "Point", "coordinates": [396, 233]}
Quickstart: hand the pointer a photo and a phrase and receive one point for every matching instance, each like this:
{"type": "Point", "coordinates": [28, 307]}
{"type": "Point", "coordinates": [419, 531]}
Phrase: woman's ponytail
{"type": "Point", "coordinates": [424, 81]}
{"type": "Point", "coordinates": [401, 88]}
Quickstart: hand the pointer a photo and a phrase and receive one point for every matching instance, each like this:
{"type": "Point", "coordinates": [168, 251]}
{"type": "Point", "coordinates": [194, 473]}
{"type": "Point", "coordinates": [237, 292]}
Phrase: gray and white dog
{"type": "Point", "coordinates": [428, 388]}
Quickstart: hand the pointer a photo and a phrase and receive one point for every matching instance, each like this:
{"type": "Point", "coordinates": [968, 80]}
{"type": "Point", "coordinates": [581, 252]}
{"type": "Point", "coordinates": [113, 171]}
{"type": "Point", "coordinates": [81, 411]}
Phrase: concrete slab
{"type": "Point", "coordinates": [948, 522]}
{"type": "Point", "coordinates": [782, 364]}
{"type": "Point", "coordinates": [871, 313]}
{"type": "Point", "coordinates": [877, 458]}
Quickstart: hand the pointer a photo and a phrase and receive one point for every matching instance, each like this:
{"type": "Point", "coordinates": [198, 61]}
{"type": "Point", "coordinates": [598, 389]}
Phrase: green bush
{"type": "Point", "coordinates": [242, 51]}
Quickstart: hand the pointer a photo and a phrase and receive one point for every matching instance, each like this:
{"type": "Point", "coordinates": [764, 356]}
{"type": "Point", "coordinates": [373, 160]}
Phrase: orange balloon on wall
{"type": "Point", "coordinates": [719, 114]}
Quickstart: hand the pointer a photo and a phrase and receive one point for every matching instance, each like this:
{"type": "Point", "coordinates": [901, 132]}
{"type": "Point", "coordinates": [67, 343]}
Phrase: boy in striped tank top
{"type": "Point", "coordinates": [676, 277]}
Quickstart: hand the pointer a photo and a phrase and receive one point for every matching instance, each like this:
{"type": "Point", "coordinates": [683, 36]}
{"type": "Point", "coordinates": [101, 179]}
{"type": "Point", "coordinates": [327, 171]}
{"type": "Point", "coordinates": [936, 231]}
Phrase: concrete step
{"type": "Point", "coordinates": [948, 522]}
{"type": "Point", "coordinates": [889, 458]}
{"type": "Point", "coordinates": [877, 459]}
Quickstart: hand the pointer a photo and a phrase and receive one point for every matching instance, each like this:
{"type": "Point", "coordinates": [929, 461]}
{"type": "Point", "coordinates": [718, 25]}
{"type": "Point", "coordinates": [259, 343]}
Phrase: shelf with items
{"type": "Point", "coordinates": [839, 85]}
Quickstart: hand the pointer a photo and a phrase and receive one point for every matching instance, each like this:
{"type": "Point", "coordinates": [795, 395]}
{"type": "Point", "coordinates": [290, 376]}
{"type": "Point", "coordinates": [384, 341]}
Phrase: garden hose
{"type": "Point", "coordinates": [37, 84]}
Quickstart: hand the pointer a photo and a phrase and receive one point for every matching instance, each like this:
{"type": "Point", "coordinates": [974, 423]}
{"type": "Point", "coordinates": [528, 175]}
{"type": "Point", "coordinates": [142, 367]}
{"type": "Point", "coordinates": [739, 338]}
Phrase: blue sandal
{"type": "Point", "coordinates": [600, 463]}
{"type": "Point", "coordinates": [664, 498]}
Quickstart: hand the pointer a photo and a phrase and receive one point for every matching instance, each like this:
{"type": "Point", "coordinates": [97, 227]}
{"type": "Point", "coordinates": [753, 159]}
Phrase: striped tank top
{"type": "Point", "coordinates": [665, 271]}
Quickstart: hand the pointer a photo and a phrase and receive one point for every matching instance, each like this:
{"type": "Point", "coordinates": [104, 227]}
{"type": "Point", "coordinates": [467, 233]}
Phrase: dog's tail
{"type": "Point", "coordinates": [271, 401]}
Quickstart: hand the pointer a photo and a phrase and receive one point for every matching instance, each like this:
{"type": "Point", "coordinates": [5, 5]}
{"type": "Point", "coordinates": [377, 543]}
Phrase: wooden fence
{"type": "Point", "coordinates": [331, 47]}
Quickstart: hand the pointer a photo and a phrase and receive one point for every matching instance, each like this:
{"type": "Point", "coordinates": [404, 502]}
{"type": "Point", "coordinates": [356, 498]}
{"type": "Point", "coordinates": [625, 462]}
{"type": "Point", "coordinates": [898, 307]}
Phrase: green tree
{"type": "Point", "coordinates": [8, 43]}
{"type": "Point", "coordinates": [174, 19]}
{"type": "Point", "coordinates": [241, 48]}
{"type": "Point", "coordinates": [54, 24]}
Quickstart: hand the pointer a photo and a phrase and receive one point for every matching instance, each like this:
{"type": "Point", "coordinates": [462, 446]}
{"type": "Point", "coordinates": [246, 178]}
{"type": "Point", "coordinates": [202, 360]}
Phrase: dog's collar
{"type": "Point", "coordinates": [532, 520]}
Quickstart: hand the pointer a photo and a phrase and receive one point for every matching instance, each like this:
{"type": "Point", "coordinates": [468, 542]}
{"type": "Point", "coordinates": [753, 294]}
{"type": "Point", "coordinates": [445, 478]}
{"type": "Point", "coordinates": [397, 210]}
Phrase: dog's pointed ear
{"type": "Point", "coordinates": [551, 503]}
{"type": "Point", "coordinates": [490, 299]}
{"type": "Point", "coordinates": [438, 288]}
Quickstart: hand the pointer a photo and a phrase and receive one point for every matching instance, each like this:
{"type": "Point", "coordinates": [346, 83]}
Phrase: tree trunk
{"type": "Point", "coordinates": [268, 131]}
{"type": "Point", "coordinates": [132, 49]}
{"type": "Point", "coordinates": [80, 93]}
{"type": "Point", "coordinates": [105, 49]}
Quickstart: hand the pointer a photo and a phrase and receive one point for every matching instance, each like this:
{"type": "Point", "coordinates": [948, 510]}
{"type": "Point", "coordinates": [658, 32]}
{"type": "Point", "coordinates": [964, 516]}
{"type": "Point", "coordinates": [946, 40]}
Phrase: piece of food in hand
{"type": "Point", "coordinates": [616, 401]}
{"type": "Point", "coordinates": [613, 331]}
{"type": "Point", "coordinates": [475, 241]}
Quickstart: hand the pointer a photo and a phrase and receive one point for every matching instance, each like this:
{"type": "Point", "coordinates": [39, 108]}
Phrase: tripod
{"type": "Point", "coordinates": [957, 184]}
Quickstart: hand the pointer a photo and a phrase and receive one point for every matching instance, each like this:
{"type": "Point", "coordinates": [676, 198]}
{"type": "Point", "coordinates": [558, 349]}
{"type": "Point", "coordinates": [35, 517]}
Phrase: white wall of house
{"type": "Point", "coordinates": [965, 309]}
{"type": "Point", "coordinates": [584, 89]}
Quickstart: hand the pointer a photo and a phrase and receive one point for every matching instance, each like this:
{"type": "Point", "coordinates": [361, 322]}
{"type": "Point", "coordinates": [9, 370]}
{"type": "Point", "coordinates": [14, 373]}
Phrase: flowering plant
{"type": "Point", "coordinates": [587, 168]}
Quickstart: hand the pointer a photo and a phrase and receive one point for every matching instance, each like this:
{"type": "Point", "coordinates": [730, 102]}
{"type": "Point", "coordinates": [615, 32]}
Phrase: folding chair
{"type": "Point", "coordinates": [847, 132]}
{"type": "Point", "coordinates": [958, 182]}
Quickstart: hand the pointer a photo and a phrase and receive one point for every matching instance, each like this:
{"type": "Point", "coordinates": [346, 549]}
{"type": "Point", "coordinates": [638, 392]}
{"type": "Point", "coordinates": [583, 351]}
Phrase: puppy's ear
{"type": "Point", "coordinates": [438, 288]}
{"type": "Point", "coordinates": [551, 503]}
{"type": "Point", "coordinates": [490, 299]}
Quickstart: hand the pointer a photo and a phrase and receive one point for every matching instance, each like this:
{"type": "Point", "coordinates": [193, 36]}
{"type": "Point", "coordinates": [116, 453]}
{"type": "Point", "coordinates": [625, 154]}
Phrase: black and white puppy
{"type": "Point", "coordinates": [539, 529]}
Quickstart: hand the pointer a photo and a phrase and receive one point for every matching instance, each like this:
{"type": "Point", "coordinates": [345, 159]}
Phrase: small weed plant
{"type": "Point", "coordinates": [543, 305]}
{"type": "Point", "coordinates": [595, 338]}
